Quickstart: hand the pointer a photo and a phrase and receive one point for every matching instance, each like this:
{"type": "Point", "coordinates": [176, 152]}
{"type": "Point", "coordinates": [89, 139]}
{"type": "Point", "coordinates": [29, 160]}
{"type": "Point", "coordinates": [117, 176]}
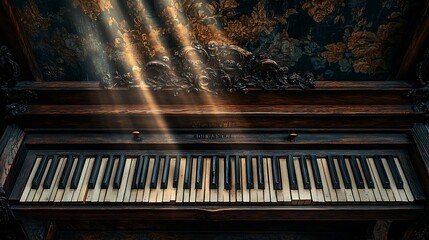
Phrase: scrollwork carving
{"type": "Point", "coordinates": [17, 101]}
{"type": "Point", "coordinates": [9, 68]}
{"type": "Point", "coordinates": [420, 96]}
{"type": "Point", "coordinates": [216, 68]}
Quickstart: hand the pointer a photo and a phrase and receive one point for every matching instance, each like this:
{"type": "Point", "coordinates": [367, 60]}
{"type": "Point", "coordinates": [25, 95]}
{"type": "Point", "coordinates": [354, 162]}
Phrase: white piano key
{"type": "Point", "coordinates": [304, 194]}
{"type": "Point", "coordinates": [159, 190]}
{"type": "Point", "coordinates": [273, 196]}
{"type": "Point", "coordinates": [332, 197]}
{"type": "Point", "coordinates": [206, 182]}
{"type": "Point", "coordinates": [246, 192]}
{"type": "Point", "coordinates": [213, 191]}
{"type": "Point", "coordinates": [80, 196]}
{"type": "Point", "coordinates": [314, 191]}
{"type": "Point", "coordinates": [256, 195]}
{"type": "Point", "coordinates": [366, 194]}
{"type": "Point", "coordinates": [56, 181]}
{"type": "Point", "coordinates": [267, 196]}
{"type": "Point", "coordinates": [94, 194]}
{"type": "Point", "coordinates": [180, 192]}
{"type": "Point", "coordinates": [284, 195]}
{"type": "Point", "coordinates": [124, 192]}
{"type": "Point", "coordinates": [200, 192]}
{"type": "Point", "coordinates": [40, 190]}
{"type": "Point", "coordinates": [342, 194]}
{"type": "Point", "coordinates": [221, 183]}
{"type": "Point", "coordinates": [27, 188]}
{"type": "Point", "coordinates": [68, 192]}
{"type": "Point", "coordinates": [136, 194]}
{"type": "Point", "coordinates": [193, 195]}
{"type": "Point", "coordinates": [186, 191]}
{"type": "Point", "coordinates": [407, 188]}
{"type": "Point", "coordinates": [393, 187]}
{"type": "Point", "coordinates": [355, 190]}
{"type": "Point", "coordinates": [147, 190]}
{"type": "Point", "coordinates": [377, 183]}
{"type": "Point", "coordinates": [103, 191]}
{"type": "Point", "coordinates": [169, 192]}
{"type": "Point", "coordinates": [373, 193]}
{"type": "Point", "coordinates": [111, 193]}
{"type": "Point", "coordinates": [233, 191]}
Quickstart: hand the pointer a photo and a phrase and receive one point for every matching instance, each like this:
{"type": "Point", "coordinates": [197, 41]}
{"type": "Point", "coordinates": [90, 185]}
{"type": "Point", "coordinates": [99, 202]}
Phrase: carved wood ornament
{"type": "Point", "coordinates": [216, 68]}
{"type": "Point", "coordinates": [420, 96]}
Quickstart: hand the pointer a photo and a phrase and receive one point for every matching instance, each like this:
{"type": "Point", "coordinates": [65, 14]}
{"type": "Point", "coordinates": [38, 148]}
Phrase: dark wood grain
{"type": "Point", "coordinates": [212, 213]}
{"type": "Point", "coordinates": [329, 92]}
{"type": "Point", "coordinates": [417, 44]}
{"type": "Point", "coordinates": [10, 25]}
{"type": "Point", "coordinates": [274, 138]}
{"type": "Point", "coordinates": [15, 136]}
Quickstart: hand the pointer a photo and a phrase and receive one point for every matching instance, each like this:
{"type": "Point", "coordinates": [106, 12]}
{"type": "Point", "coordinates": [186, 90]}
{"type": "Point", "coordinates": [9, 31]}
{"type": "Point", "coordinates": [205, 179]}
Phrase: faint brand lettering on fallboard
{"type": "Point", "coordinates": [212, 135]}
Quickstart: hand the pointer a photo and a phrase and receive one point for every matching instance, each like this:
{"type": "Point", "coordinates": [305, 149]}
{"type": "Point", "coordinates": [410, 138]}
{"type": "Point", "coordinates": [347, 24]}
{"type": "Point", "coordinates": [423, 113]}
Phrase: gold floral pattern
{"type": "Point", "coordinates": [335, 39]}
{"type": "Point", "coordinates": [93, 8]}
{"type": "Point", "coordinates": [32, 19]}
{"type": "Point", "coordinates": [319, 9]}
{"type": "Point", "coordinates": [335, 52]}
{"type": "Point", "coordinates": [250, 27]}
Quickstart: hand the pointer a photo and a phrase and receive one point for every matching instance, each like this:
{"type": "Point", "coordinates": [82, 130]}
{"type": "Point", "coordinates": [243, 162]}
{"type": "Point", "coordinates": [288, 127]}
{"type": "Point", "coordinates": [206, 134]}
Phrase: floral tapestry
{"type": "Point", "coordinates": [82, 40]}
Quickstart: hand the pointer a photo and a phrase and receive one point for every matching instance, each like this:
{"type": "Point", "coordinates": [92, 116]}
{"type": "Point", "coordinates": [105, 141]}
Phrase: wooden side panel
{"type": "Point", "coordinates": [10, 144]}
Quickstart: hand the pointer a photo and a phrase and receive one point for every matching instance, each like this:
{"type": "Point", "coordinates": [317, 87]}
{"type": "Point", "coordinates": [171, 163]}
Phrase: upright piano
{"type": "Point", "coordinates": [344, 160]}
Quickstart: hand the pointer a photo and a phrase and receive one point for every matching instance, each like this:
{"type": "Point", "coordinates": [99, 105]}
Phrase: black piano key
{"type": "Point", "coordinates": [155, 172]}
{"type": "Point", "coordinates": [260, 161]}
{"type": "Point", "coordinates": [66, 173]}
{"type": "Point", "coordinates": [39, 173]}
{"type": "Point", "coordinates": [199, 176]}
{"type": "Point", "coordinates": [166, 170]}
{"type": "Point", "coordinates": [107, 173]}
{"type": "Point", "coordinates": [366, 172]}
{"type": "Point", "coordinates": [237, 173]}
{"type": "Point", "coordinates": [356, 173]}
{"type": "Point", "coordinates": [249, 172]}
{"type": "Point", "coordinates": [344, 172]}
{"type": "Point", "coordinates": [227, 175]}
{"type": "Point", "coordinates": [214, 173]}
{"type": "Point", "coordinates": [333, 173]}
{"type": "Point", "coordinates": [176, 172]}
{"type": "Point", "coordinates": [276, 173]}
{"type": "Point", "coordinates": [316, 173]}
{"type": "Point", "coordinates": [381, 172]}
{"type": "Point", "coordinates": [119, 173]}
{"type": "Point", "coordinates": [292, 175]}
{"type": "Point", "coordinates": [395, 172]}
{"type": "Point", "coordinates": [188, 173]}
{"type": "Point", "coordinates": [51, 172]}
{"type": "Point", "coordinates": [143, 175]}
{"type": "Point", "coordinates": [304, 173]}
{"type": "Point", "coordinates": [137, 173]}
{"type": "Point", "coordinates": [77, 173]}
{"type": "Point", "coordinates": [94, 172]}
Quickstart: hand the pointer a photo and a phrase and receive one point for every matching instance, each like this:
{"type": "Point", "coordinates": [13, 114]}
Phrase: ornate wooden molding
{"type": "Point", "coordinates": [9, 68]}
{"type": "Point", "coordinates": [216, 68]}
{"type": "Point", "coordinates": [420, 95]}
{"type": "Point", "coordinates": [16, 100]}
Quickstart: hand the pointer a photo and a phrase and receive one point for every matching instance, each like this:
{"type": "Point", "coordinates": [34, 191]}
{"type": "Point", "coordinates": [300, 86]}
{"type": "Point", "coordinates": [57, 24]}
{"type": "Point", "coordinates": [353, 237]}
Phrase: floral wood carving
{"type": "Point", "coordinates": [420, 96]}
{"type": "Point", "coordinates": [9, 68]}
{"type": "Point", "coordinates": [216, 68]}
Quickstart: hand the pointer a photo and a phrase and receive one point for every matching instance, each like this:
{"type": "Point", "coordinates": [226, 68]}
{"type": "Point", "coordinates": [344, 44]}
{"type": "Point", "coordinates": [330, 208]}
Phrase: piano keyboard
{"type": "Point", "coordinates": [284, 179]}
